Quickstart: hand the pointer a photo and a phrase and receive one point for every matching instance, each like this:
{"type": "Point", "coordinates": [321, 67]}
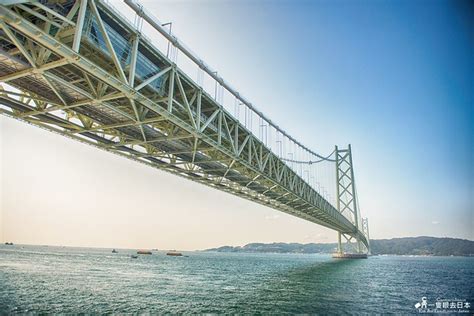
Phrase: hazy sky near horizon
{"type": "Point", "coordinates": [394, 79]}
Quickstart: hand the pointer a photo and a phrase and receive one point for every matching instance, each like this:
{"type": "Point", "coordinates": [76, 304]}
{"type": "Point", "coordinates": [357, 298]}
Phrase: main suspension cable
{"type": "Point", "coordinates": [310, 162]}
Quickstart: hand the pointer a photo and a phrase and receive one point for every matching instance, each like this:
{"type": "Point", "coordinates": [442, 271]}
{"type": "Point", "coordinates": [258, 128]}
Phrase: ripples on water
{"type": "Point", "coordinates": [78, 280]}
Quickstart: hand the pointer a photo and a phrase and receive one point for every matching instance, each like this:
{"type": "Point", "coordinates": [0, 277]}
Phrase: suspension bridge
{"type": "Point", "coordinates": [79, 68]}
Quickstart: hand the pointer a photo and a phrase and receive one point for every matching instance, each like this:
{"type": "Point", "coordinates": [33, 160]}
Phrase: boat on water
{"type": "Point", "coordinates": [143, 252]}
{"type": "Point", "coordinates": [9, 243]}
{"type": "Point", "coordinates": [174, 253]}
{"type": "Point", "coordinates": [134, 256]}
{"type": "Point", "coordinates": [114, 251]}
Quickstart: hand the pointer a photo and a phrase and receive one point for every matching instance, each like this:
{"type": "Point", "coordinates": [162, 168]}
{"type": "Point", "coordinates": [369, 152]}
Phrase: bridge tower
{"type": "Point", "coordinates": [347, 203]}
{"type": "Point", "coordinates": [365, 229]}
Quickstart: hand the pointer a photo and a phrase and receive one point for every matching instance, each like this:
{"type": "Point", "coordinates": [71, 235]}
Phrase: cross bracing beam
{"type": "Point", "coordinates": [209, 146]}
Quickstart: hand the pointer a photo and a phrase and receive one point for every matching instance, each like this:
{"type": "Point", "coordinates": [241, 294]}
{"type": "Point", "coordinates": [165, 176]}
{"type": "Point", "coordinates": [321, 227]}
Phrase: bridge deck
{"type": "Point", "coordinates": [119, 93]}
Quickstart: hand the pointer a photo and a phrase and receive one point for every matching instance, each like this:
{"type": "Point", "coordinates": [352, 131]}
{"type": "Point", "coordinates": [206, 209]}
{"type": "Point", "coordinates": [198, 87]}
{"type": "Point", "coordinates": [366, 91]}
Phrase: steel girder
{"type": "Point", "coordinates": [69, 85]}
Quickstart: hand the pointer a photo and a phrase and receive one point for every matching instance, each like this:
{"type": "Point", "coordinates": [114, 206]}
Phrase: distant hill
{"type": "Point", "coordinates": [423, 246]}
{"type": "Point", "coordinates": [397, 246]}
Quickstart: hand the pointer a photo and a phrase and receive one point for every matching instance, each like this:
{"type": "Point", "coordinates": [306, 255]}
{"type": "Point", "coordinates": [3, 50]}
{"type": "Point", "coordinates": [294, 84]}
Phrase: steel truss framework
{"type": "Point", "coordinates": [347, 203]}
{"type": "Point", "coordinates": [66, 83]}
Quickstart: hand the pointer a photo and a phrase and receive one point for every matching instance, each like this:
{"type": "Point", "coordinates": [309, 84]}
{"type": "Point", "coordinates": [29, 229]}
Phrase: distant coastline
{"type": "Point", "coordinates": [416, 246]}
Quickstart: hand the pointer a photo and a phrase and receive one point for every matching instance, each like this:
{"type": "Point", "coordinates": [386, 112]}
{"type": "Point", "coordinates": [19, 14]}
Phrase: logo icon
{"type": "Point", "coordinates": [423, 303]}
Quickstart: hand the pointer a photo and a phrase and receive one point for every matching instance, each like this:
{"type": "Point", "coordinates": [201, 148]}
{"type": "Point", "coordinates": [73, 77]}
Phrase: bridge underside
{"type": "Point", "coordinates": [86, 74]}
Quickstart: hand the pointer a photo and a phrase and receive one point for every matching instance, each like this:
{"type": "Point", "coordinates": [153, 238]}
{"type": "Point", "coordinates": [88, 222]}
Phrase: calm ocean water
{"type": "Point", "coordinates": [78, 280]}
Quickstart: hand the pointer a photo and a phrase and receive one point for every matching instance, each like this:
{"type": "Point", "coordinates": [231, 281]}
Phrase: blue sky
{"type": "Point", "coordinates": [393, 78]}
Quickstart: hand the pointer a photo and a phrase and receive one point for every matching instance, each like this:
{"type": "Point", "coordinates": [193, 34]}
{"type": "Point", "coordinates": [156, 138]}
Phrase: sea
{"type": "Point", "coordinates": [46, 279]}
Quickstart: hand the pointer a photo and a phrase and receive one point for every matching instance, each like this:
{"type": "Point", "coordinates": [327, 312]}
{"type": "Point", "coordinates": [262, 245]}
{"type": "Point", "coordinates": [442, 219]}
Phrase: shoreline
{"type": "Point", "coordinates": [3, 247]}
